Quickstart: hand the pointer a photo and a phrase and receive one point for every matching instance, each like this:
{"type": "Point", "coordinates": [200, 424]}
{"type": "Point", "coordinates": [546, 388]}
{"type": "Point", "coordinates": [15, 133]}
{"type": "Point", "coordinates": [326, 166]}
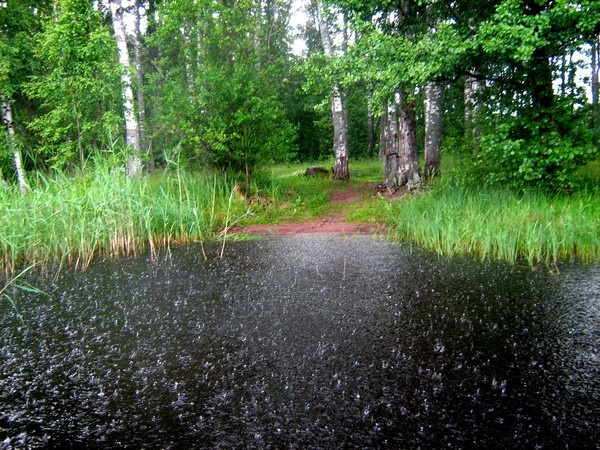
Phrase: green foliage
{"type": "Point", "coordinates": [19, 22]}
{"type": "Point", "coordinates": [313, 125]}
{"type": "Point", "coordinates": [513, 46]}
{"type": "Point", "coordinates": [220, 83]}
{"type": "Point", "coordinates": [524, 151]}
{"type": "Point", "coordinates": [77, 84]}
{"type": "Point", "coordinates": [545, 159]}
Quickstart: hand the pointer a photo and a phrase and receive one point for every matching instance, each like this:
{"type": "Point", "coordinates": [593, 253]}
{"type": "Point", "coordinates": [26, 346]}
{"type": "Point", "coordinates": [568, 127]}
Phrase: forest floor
{"type": "Point", "coordinates": [334, 220]}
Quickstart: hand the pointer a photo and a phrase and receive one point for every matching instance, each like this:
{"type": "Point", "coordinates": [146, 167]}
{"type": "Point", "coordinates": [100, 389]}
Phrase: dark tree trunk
{"type": "Point", "coordinates": [410, 170]}
{"type": "Point", "coordinates": [542, 79]}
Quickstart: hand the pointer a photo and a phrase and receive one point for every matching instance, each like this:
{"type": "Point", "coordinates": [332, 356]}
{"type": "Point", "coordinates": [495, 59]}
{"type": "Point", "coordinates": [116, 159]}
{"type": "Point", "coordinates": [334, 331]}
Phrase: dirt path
{"type": "Point", "coordinates": [333, 224]}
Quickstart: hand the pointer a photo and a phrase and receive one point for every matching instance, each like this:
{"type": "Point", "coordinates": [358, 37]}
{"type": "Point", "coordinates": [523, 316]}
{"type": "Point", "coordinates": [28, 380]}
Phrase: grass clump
{"type": "Point", "coordinates": [495, 223]}
{"type": "Point", "coordinates": [68, 220]}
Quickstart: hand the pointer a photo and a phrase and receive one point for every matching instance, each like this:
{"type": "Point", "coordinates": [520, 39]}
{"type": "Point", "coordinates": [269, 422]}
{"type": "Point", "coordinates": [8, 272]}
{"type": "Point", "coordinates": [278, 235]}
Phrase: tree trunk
{"type": "Point", "coordinates": [595, 71]}
{"type": "Point", "coordinates": [8, 121]}
{"type": "Point", "coordinates": [340, 124]}
{"type": "Point", "coordinates": [433, 128]}
{"type": "Point", "coordinates": [141, 102]}
{"type": "Point", "coordinates": [390, 148]}
{"type": "Point", "coordinates": [410, 170]}
{"type": "Point", "coordinates": [542, 79]}
{"type": "Point", "coordinates": [257, 34]}
{"type": "Point", "coordinates": [131, 122]}
{"type": "Point", "coordinates": [340, 136]}
{"type": "Point", "coordinates": [370, 129]}
{"type": "Point", "coordinates": [473, 88]}
{"type": "Point", "coordinates": [382, 132]}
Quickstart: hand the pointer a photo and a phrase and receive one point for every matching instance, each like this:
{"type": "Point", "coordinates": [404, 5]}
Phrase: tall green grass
{"type": "Point", "coordinates": [71, 220]}
{"type": "Point", "coordinates": [501, 224]}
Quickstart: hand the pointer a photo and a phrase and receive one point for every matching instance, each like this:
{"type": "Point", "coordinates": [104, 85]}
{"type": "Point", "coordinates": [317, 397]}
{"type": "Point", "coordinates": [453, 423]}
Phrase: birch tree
{"type": "Point", "coordinates": [340, 124]}
{"type": "Point", "coordinates": [7, 119]}
{"type": "Point", "coordinates": [19, 21]}
{"type": "Point", "coordinates": [473, 88]}
{"type": "Point", "coordinates": [433, 128]}
{"type": "Point", "coordinates": [433, 109]}
{"type": "Point", "coordinates": [595, 82]}
{"type": "Point", "coordinates": [139, 72]}
{"type": "Point", "coordinates": [131, 121]}
{"type": "Point", "coordinates": [390, 148]}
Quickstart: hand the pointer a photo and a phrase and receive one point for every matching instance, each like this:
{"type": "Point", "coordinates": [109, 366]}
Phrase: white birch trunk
{"type": "Point", "coordinates": [340, 124]}
{"type": "Point", "coordinates": [257, 34]}
{"type": "Point", "coordinates": [131, 122]}
{"type": "Point", "coordinates": [595, 82]}
{"type": "Point", "coordinates": [472, 109]}
{"type": "Point", "coordinates": [8, 121]}
{"type": "Point", "coordinates": [433, 128]}
{"type": "Point", "coordinates": [141, 103]}
{"type": "Point", "coordinates": [391, 156]}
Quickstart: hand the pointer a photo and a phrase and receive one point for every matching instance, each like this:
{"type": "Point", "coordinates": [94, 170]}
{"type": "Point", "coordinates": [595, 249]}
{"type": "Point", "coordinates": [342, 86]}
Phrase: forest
{"type": "Point", "coordinates": [142, 115]}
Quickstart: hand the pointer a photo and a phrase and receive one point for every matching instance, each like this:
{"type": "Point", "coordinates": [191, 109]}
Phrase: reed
{"type": "Point", "coordinates": [501, 224]}
{"type": "Point", "coordinates": [71, 220]}
{"type": "Point", "coordinates": [17, 283]}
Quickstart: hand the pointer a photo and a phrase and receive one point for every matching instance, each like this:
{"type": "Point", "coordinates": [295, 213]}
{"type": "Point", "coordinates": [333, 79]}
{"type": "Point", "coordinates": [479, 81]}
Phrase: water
{"type": "Point", "coordinates": [304, 342]}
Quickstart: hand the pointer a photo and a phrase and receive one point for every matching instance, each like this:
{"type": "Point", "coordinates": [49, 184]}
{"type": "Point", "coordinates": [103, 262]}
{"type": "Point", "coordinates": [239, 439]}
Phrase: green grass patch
{"type": "Point", "coordinates": [283, 194]}
{"type": "Point", "coordinates": [501, 224]}
{"type": "Point", "coordinates": [71, 220]}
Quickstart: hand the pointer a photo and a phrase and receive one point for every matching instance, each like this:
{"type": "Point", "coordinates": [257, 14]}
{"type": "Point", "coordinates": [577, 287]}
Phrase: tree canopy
{"type": "Point", "coordinates": [218, 84]}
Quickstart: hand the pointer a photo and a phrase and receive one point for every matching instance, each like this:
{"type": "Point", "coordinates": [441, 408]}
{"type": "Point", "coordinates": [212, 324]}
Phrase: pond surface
{"type": "Point", "coordinates": [307, 341]}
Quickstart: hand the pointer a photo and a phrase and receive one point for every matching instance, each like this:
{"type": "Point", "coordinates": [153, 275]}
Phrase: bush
{"type": "Point", "coordinates": [521, 154]}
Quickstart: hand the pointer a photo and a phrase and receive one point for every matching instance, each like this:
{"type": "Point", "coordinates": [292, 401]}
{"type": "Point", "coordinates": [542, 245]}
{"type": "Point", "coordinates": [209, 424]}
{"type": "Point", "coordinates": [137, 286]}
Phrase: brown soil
{"type": "Point", "coordinates": [333, 224]}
